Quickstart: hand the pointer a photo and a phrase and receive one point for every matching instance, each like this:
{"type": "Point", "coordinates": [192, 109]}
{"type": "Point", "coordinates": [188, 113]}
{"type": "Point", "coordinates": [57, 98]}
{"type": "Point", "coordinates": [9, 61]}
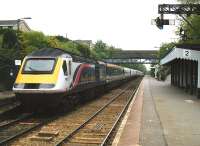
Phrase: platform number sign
{"type": "Point", "coordinates": [186, 53]}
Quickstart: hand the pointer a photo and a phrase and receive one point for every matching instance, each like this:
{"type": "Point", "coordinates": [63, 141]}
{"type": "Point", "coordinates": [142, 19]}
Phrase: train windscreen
{"type": "Point", "coordinates": [37, 65]}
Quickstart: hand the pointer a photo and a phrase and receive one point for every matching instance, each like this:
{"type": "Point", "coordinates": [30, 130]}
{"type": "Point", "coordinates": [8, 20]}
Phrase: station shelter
{"type": "Point", "coordinates": [184, 61]}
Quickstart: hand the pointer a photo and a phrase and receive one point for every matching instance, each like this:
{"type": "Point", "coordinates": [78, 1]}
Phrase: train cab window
{"type": "Point", "coordinates": [64, 67]}
{"type": "Point", "coordinates": [39, 66]}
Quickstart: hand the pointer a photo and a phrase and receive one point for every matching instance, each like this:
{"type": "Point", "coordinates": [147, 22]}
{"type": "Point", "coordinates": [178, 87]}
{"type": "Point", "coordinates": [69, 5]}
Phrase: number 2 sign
{"type": "Point", "coordinates": [186, 53]}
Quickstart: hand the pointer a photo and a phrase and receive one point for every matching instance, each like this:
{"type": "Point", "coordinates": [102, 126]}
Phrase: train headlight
{"type": "Point", "coordinates": [21, 86]}
{"type": "Point", "coordinates": [46, 86]}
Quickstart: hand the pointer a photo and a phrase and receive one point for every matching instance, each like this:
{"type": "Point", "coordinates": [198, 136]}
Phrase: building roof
{"type": "Point", "coordinates": [181, 53]}
{"type": "Point", "coordinates": [13, 23]}
{"type": "Point", "coordinates": [188, 46]}
{"type": "Point", "coordinates": [8, 22]}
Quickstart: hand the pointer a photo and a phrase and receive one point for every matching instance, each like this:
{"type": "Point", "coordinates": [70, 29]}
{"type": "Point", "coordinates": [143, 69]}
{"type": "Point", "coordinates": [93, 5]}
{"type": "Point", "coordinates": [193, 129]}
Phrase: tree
{"type": "Point", "coordinates": [69, 46]}
{"type": "Point", "coordinates": [100, 50]}
{"type": "Point", "coordinates": [191, 31]}
{"type": "Point", "coordinates": [83, 49]}
{"type": "Point", "coordinates": [110, 51]}
{"type": "Point", "coordinates": [62, 39]}
{"type": "Point", "coordinates": [36, 39]}
{"type": "Point", "coordinates": [163, 71]}
{"type": "Point", "coordinates": [9, 39]}
{"type": "Point", "coordinates": [9, 44]}
{"type": "Point", "coordinates": [164, 49]}
{"type": "Point", "coordinates": [52, 42]}
{"type": "Point", "coordinates": [100, 46]}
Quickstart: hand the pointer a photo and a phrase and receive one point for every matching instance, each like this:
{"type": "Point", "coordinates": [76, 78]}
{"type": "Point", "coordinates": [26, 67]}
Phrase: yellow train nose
{"type": "Point", "coordinates": [48, 78]}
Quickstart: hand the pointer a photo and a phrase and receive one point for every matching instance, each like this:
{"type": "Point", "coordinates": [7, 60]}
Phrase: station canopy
{"type": "Point", "coordinates": [187, 52]}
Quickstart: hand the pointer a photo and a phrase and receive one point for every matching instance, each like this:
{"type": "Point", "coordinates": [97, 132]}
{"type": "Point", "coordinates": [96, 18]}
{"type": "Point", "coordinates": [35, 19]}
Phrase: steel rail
{"type": "Point", "coordinates": [2, 126]}
{"type": "Point", "coordinates": [10, 111]}
{"type": "Point", "coordinates": [119, 117]}
{"type": "Point", "coordinates": [7, 140]}
{"type": "Point", "coordinates": [65, 139]}
{"type": "Point", "coordinates": [35, 126]}
{"type": "Point", "coordinates": [6, 107]}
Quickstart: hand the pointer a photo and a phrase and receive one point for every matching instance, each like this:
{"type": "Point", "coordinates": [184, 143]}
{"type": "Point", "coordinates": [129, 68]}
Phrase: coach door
{"type": "Point", "coordinates": [65, 69]}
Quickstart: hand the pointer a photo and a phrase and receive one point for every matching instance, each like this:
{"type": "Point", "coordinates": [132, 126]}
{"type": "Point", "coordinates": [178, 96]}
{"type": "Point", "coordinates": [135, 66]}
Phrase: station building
{"type": "Point", "coordinates": [14, 24]}
{"type": "Point", "coordinates": [184, 61]}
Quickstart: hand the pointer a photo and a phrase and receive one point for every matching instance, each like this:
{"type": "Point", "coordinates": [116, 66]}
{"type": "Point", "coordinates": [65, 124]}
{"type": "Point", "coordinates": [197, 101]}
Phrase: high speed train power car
{"type": "Point", "coordinates": [48, 75]}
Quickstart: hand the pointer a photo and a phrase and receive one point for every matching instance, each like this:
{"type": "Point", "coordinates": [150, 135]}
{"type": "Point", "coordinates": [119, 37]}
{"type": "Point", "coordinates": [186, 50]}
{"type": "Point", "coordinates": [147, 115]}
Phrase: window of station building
{"type": "Point", "coordinates": [64, 67]}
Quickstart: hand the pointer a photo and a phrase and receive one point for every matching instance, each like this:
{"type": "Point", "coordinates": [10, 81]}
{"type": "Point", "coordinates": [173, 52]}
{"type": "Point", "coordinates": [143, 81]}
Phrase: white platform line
{"type": "Point", "coordinates": [124, 121]}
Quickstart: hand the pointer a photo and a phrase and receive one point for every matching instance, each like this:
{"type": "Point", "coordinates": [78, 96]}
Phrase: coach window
{"type": "Point", "coordinates": [84, 75]}
{"type": "Point", "coordinates": [64, 66]}
{"type": "Point", "coordinates": [92, 74]}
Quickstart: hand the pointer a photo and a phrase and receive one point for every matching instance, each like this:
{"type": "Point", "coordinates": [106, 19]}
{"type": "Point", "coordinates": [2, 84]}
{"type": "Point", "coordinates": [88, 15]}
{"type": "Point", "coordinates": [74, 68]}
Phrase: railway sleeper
{"type": "Point", "coordinates": [45, 136]}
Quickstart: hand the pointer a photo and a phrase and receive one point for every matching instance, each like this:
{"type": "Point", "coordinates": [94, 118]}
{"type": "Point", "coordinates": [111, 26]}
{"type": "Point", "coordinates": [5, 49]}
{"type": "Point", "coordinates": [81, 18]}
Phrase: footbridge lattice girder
{"type": "Point", "coordinates": [134, 56]}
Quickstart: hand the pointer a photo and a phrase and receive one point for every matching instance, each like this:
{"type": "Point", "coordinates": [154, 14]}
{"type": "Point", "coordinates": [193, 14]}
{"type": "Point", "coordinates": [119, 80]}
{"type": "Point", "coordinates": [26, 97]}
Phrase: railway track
{"type": "Point", "coordinates": [58, 131]}
{"type": "Point", "coordinates": [6, 106]}
{"type": "Point", "coordinates": [97, 129]}
{"type": "Point", "coordinates": [6, 122]}
{"type": "Point", "coordinates": [12, 129]}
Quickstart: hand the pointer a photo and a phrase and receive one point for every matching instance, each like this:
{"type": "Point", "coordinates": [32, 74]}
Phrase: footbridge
{"type": "Point", "coordinates": [133, 56]}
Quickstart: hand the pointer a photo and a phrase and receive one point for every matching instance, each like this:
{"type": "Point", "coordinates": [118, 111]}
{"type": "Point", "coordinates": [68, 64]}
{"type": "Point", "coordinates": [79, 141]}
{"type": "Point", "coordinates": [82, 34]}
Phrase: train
{"type": "Point", "coordinates": [50, 75]}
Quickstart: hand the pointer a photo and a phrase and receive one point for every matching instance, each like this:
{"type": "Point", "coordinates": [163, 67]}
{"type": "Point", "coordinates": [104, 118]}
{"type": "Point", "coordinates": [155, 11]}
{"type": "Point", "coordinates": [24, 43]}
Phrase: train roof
{"type": "Point", "coordinates": [114, 66]}
{"type": "Point", "coordinates": [51, 52]}
{"type": "Point", "coordinates": [56, 52]}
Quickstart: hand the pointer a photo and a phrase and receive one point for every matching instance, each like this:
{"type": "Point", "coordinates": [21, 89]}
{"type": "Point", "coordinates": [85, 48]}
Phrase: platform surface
{"type": "Point", "coordinates": [169, 117]}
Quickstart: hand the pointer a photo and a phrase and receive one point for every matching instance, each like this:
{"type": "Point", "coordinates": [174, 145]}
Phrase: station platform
{"type": "Point", "coordinates": [162, 115]}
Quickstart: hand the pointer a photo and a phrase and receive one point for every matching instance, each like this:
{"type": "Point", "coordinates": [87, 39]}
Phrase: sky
{"type": "Point", "coordinates": [125, 24]}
